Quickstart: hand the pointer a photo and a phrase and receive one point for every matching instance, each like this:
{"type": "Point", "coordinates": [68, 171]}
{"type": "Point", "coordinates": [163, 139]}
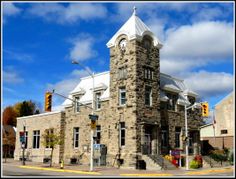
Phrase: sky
{"type": "Point", "coordinates": [40, 39]}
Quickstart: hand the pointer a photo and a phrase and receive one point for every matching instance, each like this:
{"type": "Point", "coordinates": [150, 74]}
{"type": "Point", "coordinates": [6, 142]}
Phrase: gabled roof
{"type": "Point", "coordinates": [134, 28]}
{"type": "Point", "coordinates": [102, 82]}
{"type": "Point", "coordinates": [169, 83]}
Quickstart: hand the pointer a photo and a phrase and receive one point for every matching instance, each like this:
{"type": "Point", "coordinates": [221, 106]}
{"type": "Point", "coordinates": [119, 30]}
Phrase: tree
{"type": "Point", "coordinates": [26, 108]}
{"type": "Point", "coordinates": [9, 116]}
{"type": "Point", "coordinates": [51, 139]}
{"type": "Point", "coordinates": [8, 140]}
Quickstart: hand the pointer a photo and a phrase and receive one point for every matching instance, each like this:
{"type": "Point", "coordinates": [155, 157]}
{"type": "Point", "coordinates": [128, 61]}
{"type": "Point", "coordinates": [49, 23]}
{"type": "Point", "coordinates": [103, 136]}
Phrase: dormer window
{"type": "Point", "coordinates": [77, 104]}
{"type": "Point", "coordinates": [97, 101]}
{"type": "Point", "coordinates": [171, 103]}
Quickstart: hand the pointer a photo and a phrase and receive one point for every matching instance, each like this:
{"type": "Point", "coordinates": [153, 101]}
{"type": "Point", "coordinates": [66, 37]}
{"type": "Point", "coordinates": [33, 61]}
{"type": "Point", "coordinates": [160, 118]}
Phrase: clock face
{"type": "Point", "coordinates": [122, 44]}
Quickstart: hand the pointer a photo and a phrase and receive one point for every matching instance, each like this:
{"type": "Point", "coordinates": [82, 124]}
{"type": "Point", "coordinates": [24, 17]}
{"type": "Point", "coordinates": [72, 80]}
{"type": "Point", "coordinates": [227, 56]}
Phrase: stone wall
{"type": "Point", "coordinates": [38, 122]}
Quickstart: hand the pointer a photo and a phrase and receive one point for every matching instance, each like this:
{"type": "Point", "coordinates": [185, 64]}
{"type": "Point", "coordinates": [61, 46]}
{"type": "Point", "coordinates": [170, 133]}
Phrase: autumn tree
{"type": "Point", "coordinates": [19, 109]}
{"type": "Point", "coordinates": [26, 108]}
{"type": "Point", "coordinates": [51, 139]}
{"type": "Point", "coordinates": [9, 116]}
{"type": "Point", "coordinates": [8, 140]}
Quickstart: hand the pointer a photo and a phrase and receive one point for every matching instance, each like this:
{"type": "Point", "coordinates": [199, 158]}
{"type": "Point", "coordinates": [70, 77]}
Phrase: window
{"type": "Point", "coordinates": [76, 137]}
{"type": "Point", "coordinates": [122, 96]}
{"type": "Point", "coordinates": [98, 102]}
{"type": "Point", "coordinates": [224, 131]}
{"type": "Point", "coordinates": [36, 139]}
{"type": "Point", "coordinates": [147, 43]}
{"type": "Point", "coordinates": [148, 95]}
{"type": "Point", "coordinates": [98, 135]}
{"type": "Point", "coordinates": [122, 134]}
{"type": "Point", "coordinates": [148, 73]}
{"type": "Point", "coordinates": [191, 100]}
{"type": "Point", "coordinates": [164, 138]}
{"type": "Point", "coordinates": [26, 139]}
{"type": "Point", "coordinates": [77, 104]}
{"type": "Point", "coordinates": [122, 73]}
{"type": "Point", "coordinates": [49, 138]}
{"type": "Point", "coordinates": [177, 136]}
{"type": "Point", "coordinates": [171, 105]}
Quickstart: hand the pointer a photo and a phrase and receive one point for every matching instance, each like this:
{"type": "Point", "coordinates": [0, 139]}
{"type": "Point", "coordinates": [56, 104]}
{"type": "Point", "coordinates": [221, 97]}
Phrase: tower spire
{"type": "Point", "coordinates": [134, 11]}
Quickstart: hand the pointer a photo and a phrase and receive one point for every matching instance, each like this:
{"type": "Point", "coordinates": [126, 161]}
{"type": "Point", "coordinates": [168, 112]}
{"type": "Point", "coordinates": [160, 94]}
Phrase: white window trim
{"type": "Point", "coordinates": [150, 97]}
{"type": "Point", "coordinates": [96, 102]}
{"type": "Point", "coordinates": [122, 89]}
{"type": "Point", "coordinates": [77, 98]}
{"type": "Point", "coordinates": [37, 136]}
{"type": "Point", "coordinates": [74, 137]}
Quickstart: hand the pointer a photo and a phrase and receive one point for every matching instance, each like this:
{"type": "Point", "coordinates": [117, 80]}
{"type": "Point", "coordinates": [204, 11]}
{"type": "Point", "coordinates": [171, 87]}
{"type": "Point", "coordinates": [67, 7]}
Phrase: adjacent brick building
{"type": "Point", "coordinates": [221, 133]}
{"type": "Point", "coordinates": [141, 111]}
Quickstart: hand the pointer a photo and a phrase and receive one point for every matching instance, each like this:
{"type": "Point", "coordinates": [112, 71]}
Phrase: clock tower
{"type": "Point", "coordinates": [135, 90]}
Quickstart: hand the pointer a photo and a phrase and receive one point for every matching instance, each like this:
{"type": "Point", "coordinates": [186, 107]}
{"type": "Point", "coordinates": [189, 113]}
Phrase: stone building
{"type": "Point", "coordinates": [141, 111]}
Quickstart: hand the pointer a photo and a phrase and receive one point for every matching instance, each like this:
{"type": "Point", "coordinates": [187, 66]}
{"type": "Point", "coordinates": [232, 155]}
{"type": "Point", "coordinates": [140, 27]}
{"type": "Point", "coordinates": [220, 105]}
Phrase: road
{"type": "Point", "coordinates": [16, 169]}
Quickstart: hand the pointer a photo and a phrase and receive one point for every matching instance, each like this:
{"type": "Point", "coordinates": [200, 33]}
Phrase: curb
{"type": "Point", "coordinates": [61, 170]}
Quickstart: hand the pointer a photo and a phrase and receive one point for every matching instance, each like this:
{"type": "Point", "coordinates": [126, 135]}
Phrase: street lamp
{"type": "Point", "coordinates": [92, 75]}
{"type": "Point", "coordinates": [195, 105]}
{"type": "Point", "coordinates": [23, 145]}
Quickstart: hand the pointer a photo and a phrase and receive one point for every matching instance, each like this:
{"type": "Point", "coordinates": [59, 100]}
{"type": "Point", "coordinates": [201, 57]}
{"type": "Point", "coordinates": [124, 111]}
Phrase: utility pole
{"type": "Point", "coordinates": [186, 135]}
{"type": "Point", "coordinates": [23, 146]}
{"type": "Point", "coordinates": [92, 132]}
{"type": "Point", "coordinates": [91, 155]}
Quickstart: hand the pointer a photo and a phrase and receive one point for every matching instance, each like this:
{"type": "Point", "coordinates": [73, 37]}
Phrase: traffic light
{"type": "Point", "coordinates": [48, 101]}
{"type": "Point", "coordinates": [205, 109]}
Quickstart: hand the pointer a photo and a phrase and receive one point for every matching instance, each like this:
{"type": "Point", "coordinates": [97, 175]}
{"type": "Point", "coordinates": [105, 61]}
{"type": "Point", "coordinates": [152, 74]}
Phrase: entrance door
{"type": "Point", "coordinates": [147, 144]}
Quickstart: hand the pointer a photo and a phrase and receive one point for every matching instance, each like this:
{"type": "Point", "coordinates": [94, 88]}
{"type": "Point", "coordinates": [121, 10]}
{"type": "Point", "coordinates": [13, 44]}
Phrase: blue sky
{"type": "Point", "coordinates": [40, 40]}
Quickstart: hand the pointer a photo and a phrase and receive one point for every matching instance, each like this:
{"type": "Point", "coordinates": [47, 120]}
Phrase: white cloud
{"type": "Point", "coordinates": [82, 47]}
{"type": "Point", "coordinates": [157, 26]}
{"type": "Point", "coordinates": [9, 9]}
{"type": "Point", "coordinates": [178, 66]}
{"type": "Point", "coordinates": [208, 14]}
{"type": "Point", "coordinates": [55, 12]}
{"type": "Point", "coordinates": [65, 86]}
{"type": "Point", "coordinates": [12, 77]}
{"type": "Point", "coordinates": [210, 84]}
{"type": "Point", "coordinates": [23, 57]}
{"type": "Point", "coordinates": [208, 40]}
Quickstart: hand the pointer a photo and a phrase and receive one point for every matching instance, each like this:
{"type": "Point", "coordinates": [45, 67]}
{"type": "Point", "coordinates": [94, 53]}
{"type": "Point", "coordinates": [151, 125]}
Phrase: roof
{"type": "Point", "coordinates": [102, 82]}
{"type": "Point", "coordinates": [134, 28]}
{"type": "Point", "coordinates": [206, 125]}
{"type": "Point", "coordinates": [229, 95]}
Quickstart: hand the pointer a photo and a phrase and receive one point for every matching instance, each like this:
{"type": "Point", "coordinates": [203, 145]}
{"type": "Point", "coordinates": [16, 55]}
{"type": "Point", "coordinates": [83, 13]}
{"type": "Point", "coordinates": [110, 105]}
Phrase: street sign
{"type": "Point", "coordinates": [93, 117]}
{"type": "Point", "coordinates": [22, 136]}
{"type": "Point", "coordinates": [93, 124]}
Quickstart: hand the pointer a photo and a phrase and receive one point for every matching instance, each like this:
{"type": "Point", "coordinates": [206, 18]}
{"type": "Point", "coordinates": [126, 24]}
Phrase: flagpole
{"type": "Point", "coordinates": [213, 122]}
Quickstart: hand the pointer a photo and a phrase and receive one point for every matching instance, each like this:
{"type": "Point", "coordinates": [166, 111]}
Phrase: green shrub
{"type": "Point", "coordinates": [194, 164]}
{"type": "Point", "coordinates": [231, 158]}
{"type": "Point", "coordinates": [218, 155]}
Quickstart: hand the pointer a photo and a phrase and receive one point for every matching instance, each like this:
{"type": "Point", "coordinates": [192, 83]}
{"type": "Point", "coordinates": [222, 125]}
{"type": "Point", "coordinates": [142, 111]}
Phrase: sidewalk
{"type": "Point", "coordinates": [113, 171]}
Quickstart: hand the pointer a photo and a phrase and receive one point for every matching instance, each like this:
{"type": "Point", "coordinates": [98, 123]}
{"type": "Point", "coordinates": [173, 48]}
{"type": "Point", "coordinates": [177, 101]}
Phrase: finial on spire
{"type": "Point", "coordinates": [134, 12]}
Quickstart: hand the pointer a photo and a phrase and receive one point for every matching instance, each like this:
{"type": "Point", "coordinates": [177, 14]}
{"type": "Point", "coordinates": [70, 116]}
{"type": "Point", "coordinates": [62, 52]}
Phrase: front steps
{"type": "Point", "coordinates": [157, 162]}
